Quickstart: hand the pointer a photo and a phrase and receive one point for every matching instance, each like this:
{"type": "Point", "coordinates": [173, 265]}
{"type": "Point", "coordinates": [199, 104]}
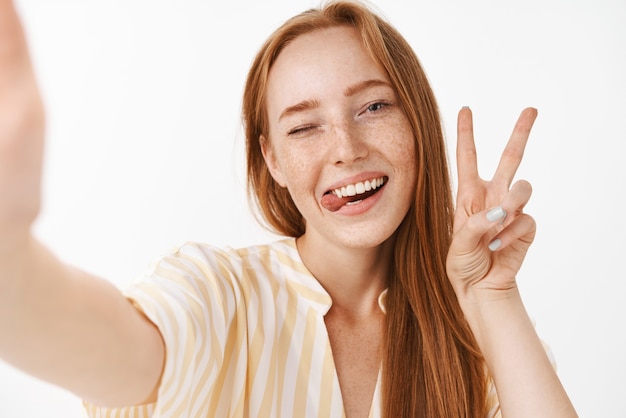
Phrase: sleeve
{"type": "Point", "coordinates": [492, 395]}
{"type": "Point", "coordinates": [191, 297]}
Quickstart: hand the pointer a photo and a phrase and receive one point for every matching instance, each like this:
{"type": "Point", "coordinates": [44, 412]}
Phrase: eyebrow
{"type": "Point", "coordinates": [300, 107]}
{"type": "Point", "coordinates": [363, 85]}
{"type": "Point", "coordinates": [350, 91]}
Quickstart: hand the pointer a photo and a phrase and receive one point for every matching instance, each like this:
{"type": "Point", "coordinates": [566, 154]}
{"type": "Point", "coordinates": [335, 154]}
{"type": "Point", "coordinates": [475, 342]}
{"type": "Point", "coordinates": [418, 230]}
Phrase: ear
{"type": "Point", "coordinates": [270, 161]}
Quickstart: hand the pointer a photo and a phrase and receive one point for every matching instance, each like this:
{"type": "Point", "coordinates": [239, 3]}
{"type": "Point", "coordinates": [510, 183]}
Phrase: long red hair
{"type": "Point", "coordinates": [431, 364]}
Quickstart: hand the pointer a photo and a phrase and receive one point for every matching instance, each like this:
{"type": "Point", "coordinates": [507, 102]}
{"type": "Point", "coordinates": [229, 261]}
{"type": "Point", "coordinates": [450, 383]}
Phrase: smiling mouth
{"type": "Point", "coordinates": [350, 194]}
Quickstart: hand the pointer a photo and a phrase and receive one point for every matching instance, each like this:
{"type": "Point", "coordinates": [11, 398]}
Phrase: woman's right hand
{"type": "Point", "coordinates": [21, 132]}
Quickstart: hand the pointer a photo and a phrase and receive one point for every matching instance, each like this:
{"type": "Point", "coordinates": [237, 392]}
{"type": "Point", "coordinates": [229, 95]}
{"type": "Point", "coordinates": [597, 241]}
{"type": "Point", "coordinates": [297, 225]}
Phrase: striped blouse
{"type": "Point", "coordinates": [245, 336]}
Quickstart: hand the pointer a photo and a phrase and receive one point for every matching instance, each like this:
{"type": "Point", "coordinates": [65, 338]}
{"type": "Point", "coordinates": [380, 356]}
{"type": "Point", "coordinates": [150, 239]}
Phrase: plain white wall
{"type": "Point", "coordinates": [145, 148]}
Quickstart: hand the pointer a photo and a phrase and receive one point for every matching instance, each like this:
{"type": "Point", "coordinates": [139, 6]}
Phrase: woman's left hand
{"type": "Point", "coordinates": [491, 233]}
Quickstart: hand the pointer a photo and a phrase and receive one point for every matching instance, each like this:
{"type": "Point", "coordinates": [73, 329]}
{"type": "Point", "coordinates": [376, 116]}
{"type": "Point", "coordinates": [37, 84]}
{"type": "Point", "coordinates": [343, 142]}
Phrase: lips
{"type": "Point", "coordinates": [335, 199]}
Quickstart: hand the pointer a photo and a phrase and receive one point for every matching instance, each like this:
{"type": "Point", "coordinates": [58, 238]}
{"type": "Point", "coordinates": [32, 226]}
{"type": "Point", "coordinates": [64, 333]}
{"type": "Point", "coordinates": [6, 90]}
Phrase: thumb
{"type": "Point", "coordinates": [477, 227]}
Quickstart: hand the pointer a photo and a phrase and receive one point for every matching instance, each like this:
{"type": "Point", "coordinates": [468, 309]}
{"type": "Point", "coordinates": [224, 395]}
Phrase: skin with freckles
{"type": "Point", "coordinates": [334, 120]}
{"type": "Point", "coordinates": [343, 125]}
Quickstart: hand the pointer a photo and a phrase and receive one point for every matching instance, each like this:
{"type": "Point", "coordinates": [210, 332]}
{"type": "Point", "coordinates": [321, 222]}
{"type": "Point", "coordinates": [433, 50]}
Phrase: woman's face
{"type": "Point", "coordinates": [339, 140]}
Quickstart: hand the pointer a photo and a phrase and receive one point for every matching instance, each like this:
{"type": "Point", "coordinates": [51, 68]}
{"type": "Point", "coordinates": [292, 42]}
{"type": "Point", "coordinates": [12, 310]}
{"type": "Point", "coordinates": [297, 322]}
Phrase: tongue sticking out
{"type": "Point", "coordinates": [333, 203]}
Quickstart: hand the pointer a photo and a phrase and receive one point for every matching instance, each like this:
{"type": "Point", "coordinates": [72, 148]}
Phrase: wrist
{"type": "Point", "coordinates": [475, 299]}
{"type": "Point", "coordinates": [492, 313]}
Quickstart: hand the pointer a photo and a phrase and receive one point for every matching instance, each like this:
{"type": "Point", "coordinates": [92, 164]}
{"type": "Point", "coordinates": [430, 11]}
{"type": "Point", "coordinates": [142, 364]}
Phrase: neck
{"type": "Point", "coordinates": [353, 277]}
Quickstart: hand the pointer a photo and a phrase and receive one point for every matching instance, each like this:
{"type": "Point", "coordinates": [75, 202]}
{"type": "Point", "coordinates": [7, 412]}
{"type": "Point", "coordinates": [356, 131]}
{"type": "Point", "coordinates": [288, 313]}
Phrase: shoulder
{"type": "Point", "coordinates": [195, 267]}
{"type": "Point", "coordinates": [196, 257]}
{"type": "Point", "coordinates": [196, 284]}
{"type": "Point", "coordinates": [247, 263]}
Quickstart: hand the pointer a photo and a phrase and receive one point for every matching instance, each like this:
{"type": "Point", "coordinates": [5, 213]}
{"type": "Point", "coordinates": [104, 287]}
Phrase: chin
{"type": "Point", "coordinates": [366, 238]}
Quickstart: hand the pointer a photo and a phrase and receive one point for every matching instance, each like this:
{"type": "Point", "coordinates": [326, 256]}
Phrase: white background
{"type": "Point", "coordinates": [145, 148]}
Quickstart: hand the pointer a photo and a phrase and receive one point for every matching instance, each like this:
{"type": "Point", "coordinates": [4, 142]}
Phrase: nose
{"type": "Point", "coordinates": [348, 146]}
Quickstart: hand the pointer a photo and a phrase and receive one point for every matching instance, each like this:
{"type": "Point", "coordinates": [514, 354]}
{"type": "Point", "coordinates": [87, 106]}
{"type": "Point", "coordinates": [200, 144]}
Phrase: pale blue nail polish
{"type": "Point", "coordinates": [496, 214]}
{"type": "Point", "coordinates": [495, 244]}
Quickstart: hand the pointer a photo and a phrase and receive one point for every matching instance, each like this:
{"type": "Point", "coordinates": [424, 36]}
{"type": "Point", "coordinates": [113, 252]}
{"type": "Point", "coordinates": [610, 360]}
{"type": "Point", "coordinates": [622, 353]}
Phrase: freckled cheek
{"type": "Point", "coordinates": [300, 173]}
{"type": "Point", "coordinates": [402, 146]}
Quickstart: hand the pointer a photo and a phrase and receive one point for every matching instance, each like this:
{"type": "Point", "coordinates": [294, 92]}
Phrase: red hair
{"type": "Point", "coordinates": [431, 364]}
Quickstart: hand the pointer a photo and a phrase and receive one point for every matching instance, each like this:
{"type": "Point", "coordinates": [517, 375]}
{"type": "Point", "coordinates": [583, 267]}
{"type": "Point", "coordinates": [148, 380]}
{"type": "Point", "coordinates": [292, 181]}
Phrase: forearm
{"type": "Point", "coordinates": [74, 330]}
{"type": "Point", "coordinates": [525, 380]}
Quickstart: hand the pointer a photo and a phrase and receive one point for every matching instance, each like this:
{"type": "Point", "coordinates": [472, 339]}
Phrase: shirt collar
{"type": "Point", "coordinates": [308, 286]}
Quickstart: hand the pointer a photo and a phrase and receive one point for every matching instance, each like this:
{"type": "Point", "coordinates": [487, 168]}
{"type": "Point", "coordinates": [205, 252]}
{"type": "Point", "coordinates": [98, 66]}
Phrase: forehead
{"type": "Point", "coordinates": [318, 64]}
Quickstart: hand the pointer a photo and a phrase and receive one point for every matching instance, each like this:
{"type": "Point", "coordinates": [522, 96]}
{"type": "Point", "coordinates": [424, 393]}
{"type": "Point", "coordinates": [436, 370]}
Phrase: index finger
{"type": "Point", "coordinates": [466, 161]}
{"type": "Point", "coordinates": [514, 150]}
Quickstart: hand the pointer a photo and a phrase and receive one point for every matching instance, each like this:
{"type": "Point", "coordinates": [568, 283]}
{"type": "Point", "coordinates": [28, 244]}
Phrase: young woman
{"type": "Point", "coordinates": [381, 300]}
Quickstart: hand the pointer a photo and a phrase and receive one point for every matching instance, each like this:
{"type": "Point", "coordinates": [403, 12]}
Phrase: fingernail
{"type": "Point", "coordinates": [466, 107]}
{"type": "Point", "coordinates": [496, 214]}
{"type": "Point", "coordinates": [495, 244]}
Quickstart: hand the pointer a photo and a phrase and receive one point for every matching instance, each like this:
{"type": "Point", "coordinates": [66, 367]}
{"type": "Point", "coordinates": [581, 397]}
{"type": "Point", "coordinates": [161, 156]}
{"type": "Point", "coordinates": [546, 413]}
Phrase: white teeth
{"type": "Point", "coordinates": [359, 188]}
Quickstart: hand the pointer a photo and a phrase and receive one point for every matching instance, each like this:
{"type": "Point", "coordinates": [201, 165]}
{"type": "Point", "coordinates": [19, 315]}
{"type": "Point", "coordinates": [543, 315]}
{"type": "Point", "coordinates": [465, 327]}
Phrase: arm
{"type": "Point", "coordinates": [490, 240]}
{"type": "Point", "coordinates": [57, 323]}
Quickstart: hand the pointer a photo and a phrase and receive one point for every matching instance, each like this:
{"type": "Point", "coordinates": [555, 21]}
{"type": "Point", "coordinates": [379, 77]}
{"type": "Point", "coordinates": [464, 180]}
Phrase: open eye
{"type": "Point", "coordinates": [376, 106]}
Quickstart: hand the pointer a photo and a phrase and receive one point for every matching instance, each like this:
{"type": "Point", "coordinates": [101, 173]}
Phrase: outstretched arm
{"type": "Point", "coordinates": [491, 237]}
{"type": "Point", "coordinates": [57, 323]}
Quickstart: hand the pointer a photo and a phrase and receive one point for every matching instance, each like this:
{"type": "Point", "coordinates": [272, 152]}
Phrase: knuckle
{"type": "Point", "coordinates": [529, 221]}
{"type": "Point", "coordinates": [525, 186]}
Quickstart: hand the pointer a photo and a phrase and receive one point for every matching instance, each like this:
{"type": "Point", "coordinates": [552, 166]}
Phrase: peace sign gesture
{"type": "Point", "coordinates": [491, 233]}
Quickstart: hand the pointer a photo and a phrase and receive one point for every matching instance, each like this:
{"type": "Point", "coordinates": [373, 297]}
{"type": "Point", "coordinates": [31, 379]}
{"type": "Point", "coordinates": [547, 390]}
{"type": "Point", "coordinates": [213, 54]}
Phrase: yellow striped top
{"type": "Point", "coordinates": [245, 336]}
